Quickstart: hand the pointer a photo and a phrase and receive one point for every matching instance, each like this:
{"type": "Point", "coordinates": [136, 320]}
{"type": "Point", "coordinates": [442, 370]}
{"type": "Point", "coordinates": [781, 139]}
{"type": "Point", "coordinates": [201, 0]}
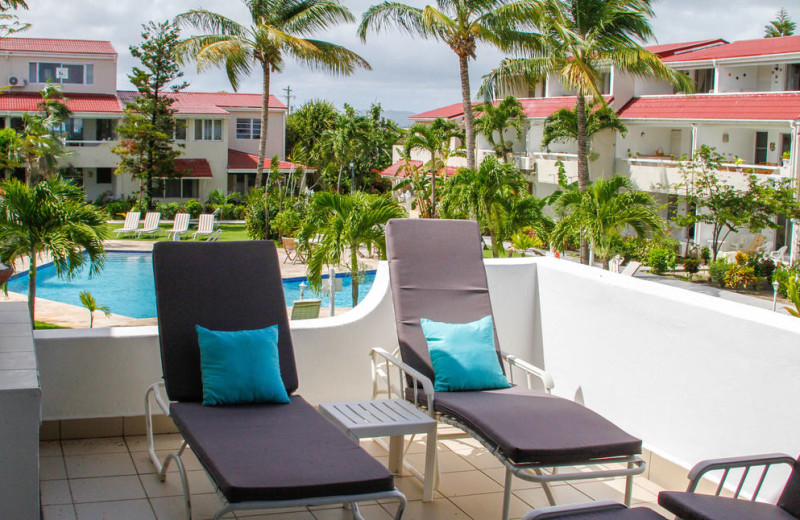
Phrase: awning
{"type": "Point", "coordinates": [193, 168]}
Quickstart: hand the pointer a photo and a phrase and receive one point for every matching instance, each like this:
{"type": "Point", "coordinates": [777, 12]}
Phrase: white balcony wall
{"type": "Point", "coordinates": [651, 87]}
{"type": "Point", "coordinates": [104, 81]}
{"type": "Point", "coordinates": [276, 137]}
{"type": "Point", "coordinates": [738, 78]}
{"type": "Point", "coordinates": [692, 375]}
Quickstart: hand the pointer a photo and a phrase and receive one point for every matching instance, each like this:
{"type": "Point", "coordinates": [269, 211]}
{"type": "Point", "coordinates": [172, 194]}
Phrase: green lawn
{"type": "Point", "coordinates": [229, 232]}
{"type": "Point", "coordinates": [43, 325]}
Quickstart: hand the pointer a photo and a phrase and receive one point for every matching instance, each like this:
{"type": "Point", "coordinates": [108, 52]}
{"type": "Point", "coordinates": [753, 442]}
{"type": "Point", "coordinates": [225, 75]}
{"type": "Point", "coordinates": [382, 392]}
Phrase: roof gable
{"type": "Point", "coordinates": [715, 107]}
{"type": "Point", "coordinates": [56, 46]}
{"type": "Point", "coordinates": [742, 49]}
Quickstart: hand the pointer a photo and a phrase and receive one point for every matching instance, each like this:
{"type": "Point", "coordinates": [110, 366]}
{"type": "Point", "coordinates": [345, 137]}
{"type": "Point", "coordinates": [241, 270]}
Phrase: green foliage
{"type": "Point", "coordinates": [526, 239]}
{"type": "Point", "coordinates": [9, 141]}
{"type": "Point", "coordinates": [782, 25]}
{"type": "Point", "coordinates": [117, 208]}
{"type": "Point", "coordinates": [691, 266]}
{"type": "Point", "coordinates": [255, 218]}
{"type": "Point", "coordinates": [562, 125]}
{"type": "Point", "coordinates": [717, 271]}
{"type": "Point", "coordinates": [305, 127]}
{"type": "Point", "coordinates": [494, 120]}
{"type": "Point", "coordinates": [286, 222]}
{"type": "Point", "coordinates": [762, 265]}
{"type": "Point", "coordinates": [146, 149]}
{"type": "Point", "coordinates": [661, 259]}
{"type": "Point", "coordinates": [740, 276]}
{"type": "Point", "coordinates": [793, 294]}
{"type": "Point", "coordinates": [50, 217]}
{"type": "Point", "coordinates": [193, 207]}
{"type": "Point", "coordinates": [88, 301]}
{"type": "Point", "coordinates": [168, 210]}
{"type": "Point", "coordinates": [705, 254]}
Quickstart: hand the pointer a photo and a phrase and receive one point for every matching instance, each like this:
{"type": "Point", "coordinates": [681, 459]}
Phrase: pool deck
{"type": "Point", "coordinates": [73, 316]}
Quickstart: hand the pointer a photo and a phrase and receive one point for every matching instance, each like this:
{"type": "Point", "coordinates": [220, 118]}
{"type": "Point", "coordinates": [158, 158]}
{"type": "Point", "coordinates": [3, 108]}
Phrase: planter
{"type": "Point", "coordinates": [5, 273]}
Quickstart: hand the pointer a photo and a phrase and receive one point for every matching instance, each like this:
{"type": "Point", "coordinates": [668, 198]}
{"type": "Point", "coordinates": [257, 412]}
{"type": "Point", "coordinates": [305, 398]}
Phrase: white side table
{"type": "Point", "coordinates": [393, 418]}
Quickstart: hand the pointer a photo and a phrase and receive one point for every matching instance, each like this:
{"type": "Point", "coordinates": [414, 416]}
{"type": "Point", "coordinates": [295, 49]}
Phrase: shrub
{"type": "Point", "coordinates": [705, 254]}
{"type": "Point", "coordinates": [740, 276]}
{"type": "Point", "coordinates": [286, 222]}
{"type": "Point", "coordinates": [117, 208]}
{"type": "Point", "coordinates": [717, 271]}
{"type": "Point", "coordinates": [193, 207]}
{"type": "Point", "coordinates": [661, 259]}
{"type": "Point", "coordinates": [691, 266]}
{"type": "Point", "coordinates": [168, 209]}
{"type": "Point", "coordinates": [783, 274]}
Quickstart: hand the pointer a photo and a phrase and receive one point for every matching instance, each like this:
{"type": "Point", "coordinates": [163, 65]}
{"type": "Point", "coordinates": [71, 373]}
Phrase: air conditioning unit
{"type": "Point", "coordinates": [523, 162]}
{"type": "Point", "coordinates": [16, 81]}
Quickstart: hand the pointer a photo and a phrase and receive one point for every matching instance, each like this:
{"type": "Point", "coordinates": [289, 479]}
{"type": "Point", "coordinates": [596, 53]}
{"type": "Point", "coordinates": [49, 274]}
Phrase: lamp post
{"type": "Point", "coordinates": [775, 286]}
{"type": "Point", "coordinates": [352, 178]}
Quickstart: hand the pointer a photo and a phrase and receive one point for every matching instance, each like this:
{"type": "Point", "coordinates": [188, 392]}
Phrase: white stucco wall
{"type": "Point", "coordinates": [104, 76]}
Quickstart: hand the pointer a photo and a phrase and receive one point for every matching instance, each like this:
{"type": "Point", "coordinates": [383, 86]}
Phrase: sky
{"type": "Point", "coordinates": [407, 74]}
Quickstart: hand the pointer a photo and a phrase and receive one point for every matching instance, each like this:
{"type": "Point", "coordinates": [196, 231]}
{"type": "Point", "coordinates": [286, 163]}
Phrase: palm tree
{"type": "Point", "coordinates": [603, 211]}
{"type": "Point", "coordinates": [562, 125]}
{"type": "Point", "coordinates": [88, 301]}
{"type": "Point", "coordinates": [576, 40]}
{"type": "Point", "coordinates": [496, 119]}
{"type": "Point", "coordinates": [346, 222]}
{"type": "Point", "coordinates": [461, 24]}
{"type": "Point", "coordinates": [39, 147]}
{"type": "Point", "coordinates": [52, 218]}
{"type": "Point", "coordinates": [781, 26]}
{"type": "Point", "coordinates": [435, 140]}
{"type": "Point", "coordinates": [278, 30]}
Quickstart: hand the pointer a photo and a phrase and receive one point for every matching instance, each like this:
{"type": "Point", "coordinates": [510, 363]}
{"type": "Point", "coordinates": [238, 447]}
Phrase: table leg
{"type": "Point", "coordinates": [431, 473]}
{"type": "Point", "coordinates": [396, 454]}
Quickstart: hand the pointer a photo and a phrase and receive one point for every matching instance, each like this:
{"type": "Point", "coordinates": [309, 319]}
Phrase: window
{"type": "Point", "coordinates": [72, 129]}
{"type": "Point", "coordinates": [65, 73]}
{"type": "Point", "coordinates": [248, 129]}
{"type": "Point", "coordinates": [208, 130]}
{"type": "Point", "coordinates": [180, 130]}
{"type": "Point", "coordinates": [177, 188]}
{"type": "Point", "coordinates": [103, 175]}
{"type": "Point", "coordinates": [16, 123]}
{"type": "Point", "coordinates": [106, 130]}
{"type": "Point", "coordinates": [793, 76]}
{"type": "Point", "coordinates": [704, 81]}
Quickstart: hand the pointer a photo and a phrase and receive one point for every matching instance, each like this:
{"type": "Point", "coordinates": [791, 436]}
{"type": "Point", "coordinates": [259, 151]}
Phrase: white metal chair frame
{"type": "Point", "coordinates": [205, 227]}
{"type": "Point", "coordinates": [150, 227]}
{"type": "Point", "coordinates": [155, 390]}
{"type": "Point", "coordinates": [382, 364]}
{"type": "Point", "coordinates": [131, 224]}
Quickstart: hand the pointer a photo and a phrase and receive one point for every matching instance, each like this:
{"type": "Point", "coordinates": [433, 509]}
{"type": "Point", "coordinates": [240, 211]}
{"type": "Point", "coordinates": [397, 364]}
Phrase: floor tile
{"type": "Point", "coordinates": [102, 465]}
{"type": "Point", "coordinates": [50, 449]}
{"type": "Point", "coordinates": [199, 483]}
{"type": "Point", "coordinates": [143, 464]}
{"type": "Point", "coordinates": [119, 510]}
{"type": "Point", "coordinates": [489, 505]}
{"type": "Point", "coordinates": [438, 509]}
{"type": "Point", "coordinates": [60, 512]}
{"type": "Point", "coordinates": [368, 511]}
{"type": "Point", "coordinates": [105, 489]}
{"type": "Point", "coordinates": [94, 446]}
{"type": "Point", "coordinates": [170, 441]}
{"type": "Point", "coordinates": [171, 508]}
{"type": "Point", "coordinates": [467, 483]}
{"type": "Point", "coordinates": [449, 462]}
{"type": "Point", "coordinates": [51, 468]}
{"type": "Point", "coordinates": [55, 492]}
{"type": "Point", "coordinates": [563, 495]}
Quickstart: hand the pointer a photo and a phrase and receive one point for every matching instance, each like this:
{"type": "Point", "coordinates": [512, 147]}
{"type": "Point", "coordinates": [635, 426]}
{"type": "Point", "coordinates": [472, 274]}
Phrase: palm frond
{"type": "Point", "coordinates": [392, 14]}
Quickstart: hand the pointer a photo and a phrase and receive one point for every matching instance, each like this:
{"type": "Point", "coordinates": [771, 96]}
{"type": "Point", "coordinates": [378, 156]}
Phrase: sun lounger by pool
{"type": "Point", "coordinates": [306, 309]}
{"type": "Point", "coordinates": [205, 228]}
{"type": "Point", "coordinates": [150, 227]}
{"type": "Point", "coordinates": [259, 455]}
{"type": "Point", "coordinates": [180, 226]}
{"type": "Point", "coordinates": [131, 224]}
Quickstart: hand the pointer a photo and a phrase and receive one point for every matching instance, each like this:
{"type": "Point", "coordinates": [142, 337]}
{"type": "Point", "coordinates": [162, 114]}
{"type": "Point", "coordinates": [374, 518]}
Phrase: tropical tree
{"type": "Point", "coordinates": [9, 23]}
{"type": "Point", "coordinates": [51, 218]}
{"type": "Point", "coordinates": [345, 223]}
{"type": "Point", "coordinates": [602, 212]}
{"type": "Point", "coordinates": [147, 149]}
{"type": "Point", "coordinates": [39, 146]}
{"type": "Point", "coordinates": [340, 144]}
{"type": "Point", "coordinates": [577, 40]}
{"type": "Point", "coordinates": [562, 125]}
{"type": "Point", "coordinates": [304, 129]}
{"type": "Point", "coordinates": [278, 30]}
{"type": "Point", "coordinates": [434, 139]}
{"type": "Point", "coordinates": [461, 24]}
{"type": "Point", "coordinates": [89, 301]}
{"type": "Point", "coordinates": [782, 25]}
{"type": "Point", "coordinates": [496, 195]}
{"type": "Point", "coordinates": [496, 119]}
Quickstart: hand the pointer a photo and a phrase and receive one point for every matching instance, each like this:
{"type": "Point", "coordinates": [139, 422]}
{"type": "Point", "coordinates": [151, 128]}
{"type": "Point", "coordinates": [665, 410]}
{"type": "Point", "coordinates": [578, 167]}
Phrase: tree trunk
{"type": "Point", "coordinates": [262, 142]}
{"type": "Point", "coordinates": [495, 246]}
{"type": "Point", "coordinates": [433, 195]}
{"type": "Point", "coordinates": [32, 286]}
{"type": "Point", "coordinates": [583, 162]}
{"type": "Point", "coordinates": [469, 128]}
{"type": "Point", "coordinates": [354, 272]}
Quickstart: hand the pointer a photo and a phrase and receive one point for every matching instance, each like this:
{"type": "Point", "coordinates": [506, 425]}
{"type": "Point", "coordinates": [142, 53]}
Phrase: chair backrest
{"type": "Point", "coordinates": [151, 219]}
{"type": "Point", "coordinates": [790, 497]}
{"type": "Point", "coordinates": [206, 223]}
{"type": "Point", "coordinates": [288, 243]}
{"type": "Point", "coordinates": [220, 286]}
{"type": "Point", "coordinates": [436, 271]}
{"type": "Point", "coordinates": [631, 268]}
{"type": "Point", "coordinates": [132, 219]}
{"type": "Point", "coordinates": [306, 309]}
{"type": "Point", "coordinates": [181, 222]}
{"type": "Point", "coordinates": [758, 241]}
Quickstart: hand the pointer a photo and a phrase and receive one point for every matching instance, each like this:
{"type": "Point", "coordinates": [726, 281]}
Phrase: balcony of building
{"type": "Point", "coordinates": [694, 376]}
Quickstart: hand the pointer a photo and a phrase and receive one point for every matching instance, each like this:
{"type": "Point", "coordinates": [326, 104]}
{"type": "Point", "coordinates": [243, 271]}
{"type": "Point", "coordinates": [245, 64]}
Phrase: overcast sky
{"type": "Point", "coordinates": [407, 73]}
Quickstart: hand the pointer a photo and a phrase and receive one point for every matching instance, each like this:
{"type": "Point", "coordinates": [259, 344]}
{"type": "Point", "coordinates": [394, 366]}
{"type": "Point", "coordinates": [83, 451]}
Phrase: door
{"type": "Point", "coordinates": [762, 143]}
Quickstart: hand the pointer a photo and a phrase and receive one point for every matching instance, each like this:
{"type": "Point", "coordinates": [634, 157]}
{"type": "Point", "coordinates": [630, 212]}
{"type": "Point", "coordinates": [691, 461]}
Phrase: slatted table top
{"type": "Point", "coordinates": [383, 417]}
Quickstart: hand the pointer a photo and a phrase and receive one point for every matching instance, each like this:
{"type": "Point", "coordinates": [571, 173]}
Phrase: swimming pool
{"type": "Point", "coordinates": [126, 285]}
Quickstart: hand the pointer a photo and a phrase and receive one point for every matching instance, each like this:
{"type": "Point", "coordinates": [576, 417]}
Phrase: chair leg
{"type": "Point", "coordinates": [507, 495]}
{"type": "Point", "coordinates": [629, 487]}
{"type": "Point", "coordinates": [548, 491]}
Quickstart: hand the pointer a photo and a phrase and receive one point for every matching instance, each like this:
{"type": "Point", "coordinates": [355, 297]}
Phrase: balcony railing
{"type": "Point", "coordinates": [83, 142]}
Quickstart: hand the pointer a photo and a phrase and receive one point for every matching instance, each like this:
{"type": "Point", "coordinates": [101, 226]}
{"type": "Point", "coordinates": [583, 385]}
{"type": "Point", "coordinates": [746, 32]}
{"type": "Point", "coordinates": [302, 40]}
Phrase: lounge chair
{"type": "Point", "coordinates": [180, 226]}
{"type": "Point", "coordinates": [779, 255]}
{"type": "Point", "coordinates": [150, 227]}
{"type": "Point", "coordinates": [305, 309]}
{"type": "Point", "coordinates": [259, 456]}
{"type": "Point", "coordinates": [131, 224]}
{"type": "Point", "coordinates": [615, 263]}
{"type": "Point", "coordinates": [205, 227]}
{"type": "Point", "coordinates": [436, 272]}
{"type": "Point", "coordinates": [693, 505]}
{"type": "Point", "coordinates": [631, 268]}
{"type": "Point", "coordinates": [290, 249]}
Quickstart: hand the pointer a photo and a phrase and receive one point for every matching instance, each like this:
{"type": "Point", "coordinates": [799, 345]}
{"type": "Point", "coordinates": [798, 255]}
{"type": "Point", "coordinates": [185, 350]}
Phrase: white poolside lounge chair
{"type": "Point", "coordinates": [615, 263]}
{"type": "Point", "coordinates": [631, 268]}
{"type": "Point", "coordinates": [205, 228]}
{"type": "Point", "coordinates": [180, 226]}
{"type": "Point", "coordinates": [305, 309]}
{"type": "Point", "coordinates": [151, 221]}
{"type": "Point", "coordinates": [131, 224]}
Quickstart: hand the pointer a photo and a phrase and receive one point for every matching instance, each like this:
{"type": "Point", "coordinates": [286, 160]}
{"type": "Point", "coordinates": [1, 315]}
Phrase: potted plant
{"type": "Point", "coordinates": [786, 157]}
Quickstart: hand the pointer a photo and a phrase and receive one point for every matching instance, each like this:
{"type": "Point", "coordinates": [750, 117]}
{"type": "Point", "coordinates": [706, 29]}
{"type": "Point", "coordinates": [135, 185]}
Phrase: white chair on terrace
{"type": "Point", "coordinates": [151, 221]}
{"type": "Point", "coordinates": [779, 256]}
{"type": "Point", "coordinates": [205, 228]}
{"type": "Point", "coordinates": [631, 268]}
{"type": "Point", "coordinates": [180, 226]}
{"type": "Point", "coordinates": [131, 224]}
{"type": "Point", "coordinates": [615, 263]}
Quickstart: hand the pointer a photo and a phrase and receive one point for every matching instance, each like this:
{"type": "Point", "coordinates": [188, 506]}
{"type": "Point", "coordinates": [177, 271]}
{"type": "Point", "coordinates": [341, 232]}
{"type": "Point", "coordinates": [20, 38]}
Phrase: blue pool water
{"type": "Point", "coordinates": [126, 285]}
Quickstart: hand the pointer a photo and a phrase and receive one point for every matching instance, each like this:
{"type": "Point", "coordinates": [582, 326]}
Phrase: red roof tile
{"type": "Point", "coordinates": [757, 107]}
{"type": "Point", "coordinates": [29, 101]}
{"type": "Point", "coordinates": [210, 103]}
{"type": "Point", "coordinates": [742, 49]}
{"type": "Point", "coordinates": [545, 107]}
{"type": "Point", "coordinates": [193, 168]}
{"type": "Point", "coordinates": [448, 112]}
{"type": "Point", "coordinates": [397, 169]}
{"type": "Point", "coordinates": [247, 161]}
{"type": "Point", "coordinates": [48, 45]}
{"type": "Point", "coordinates": [668, 49]}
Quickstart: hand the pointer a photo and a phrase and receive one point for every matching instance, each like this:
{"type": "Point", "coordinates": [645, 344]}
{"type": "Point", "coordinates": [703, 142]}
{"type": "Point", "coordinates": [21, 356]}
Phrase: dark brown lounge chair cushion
{"type": "Point", "coordinates": [277, 452]}
{"type": "Point", "coordinates": [533, 427]}
{"type": "Point", "coordinates": [696, 506]}
{"type": "Point", "coordinates": [637, 513]}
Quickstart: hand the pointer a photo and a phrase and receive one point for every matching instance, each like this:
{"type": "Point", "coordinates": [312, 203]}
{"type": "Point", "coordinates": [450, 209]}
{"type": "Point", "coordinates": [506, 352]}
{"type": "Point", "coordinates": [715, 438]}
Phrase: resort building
{"type": "Point", "coordinates": [219, 131]}
{"type": "Point", "coordinates": [746, 105]}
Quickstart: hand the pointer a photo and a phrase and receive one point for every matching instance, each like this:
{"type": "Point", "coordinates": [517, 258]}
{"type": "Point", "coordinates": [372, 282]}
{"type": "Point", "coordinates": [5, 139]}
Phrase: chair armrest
{"type": "Point", "coordinates": [746, 463]}
{"type": "Point", "coordinates": [529, 370]}
{"type": "Point", "coordinates": [390, 360]}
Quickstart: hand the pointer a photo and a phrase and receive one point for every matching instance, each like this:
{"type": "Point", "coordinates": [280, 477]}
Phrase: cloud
{"type": "Point", "coordinates": [407, 73]}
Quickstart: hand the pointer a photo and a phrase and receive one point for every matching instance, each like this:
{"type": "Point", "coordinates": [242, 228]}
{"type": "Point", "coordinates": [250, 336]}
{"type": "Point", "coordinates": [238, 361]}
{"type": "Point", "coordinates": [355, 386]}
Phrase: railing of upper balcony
{"type": "Point", "coordinates": [772, 170]}
{"type": "Point", "coordinates": [76, 142]}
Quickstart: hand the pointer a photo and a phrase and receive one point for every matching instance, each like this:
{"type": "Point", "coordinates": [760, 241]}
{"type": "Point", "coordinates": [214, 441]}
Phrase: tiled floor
{"type": "Point", "coordinates": [113, 479]}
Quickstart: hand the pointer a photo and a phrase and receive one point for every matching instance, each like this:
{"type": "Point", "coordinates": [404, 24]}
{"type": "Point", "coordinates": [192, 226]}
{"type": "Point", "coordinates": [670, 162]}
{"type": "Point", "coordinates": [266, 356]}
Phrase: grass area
{"type": "Point", "coordinates": [43, 325]}
{"type": "Point", "coordinates": [229, 232]}
{"type": "Point", "coordinates": [487, 253]}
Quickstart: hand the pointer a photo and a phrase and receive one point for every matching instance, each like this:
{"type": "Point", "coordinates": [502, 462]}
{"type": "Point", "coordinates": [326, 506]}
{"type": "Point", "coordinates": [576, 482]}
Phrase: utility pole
{"type": "Point", "coordinates": [289, 97]}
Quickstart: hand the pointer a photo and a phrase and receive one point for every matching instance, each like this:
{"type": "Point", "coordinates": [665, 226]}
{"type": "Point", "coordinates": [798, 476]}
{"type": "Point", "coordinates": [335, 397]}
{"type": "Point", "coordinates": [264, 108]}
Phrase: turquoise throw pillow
{"type": "Point", "coordinates": [464, 355]}
{"type": "Point", "coordinates": [240, 366]}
